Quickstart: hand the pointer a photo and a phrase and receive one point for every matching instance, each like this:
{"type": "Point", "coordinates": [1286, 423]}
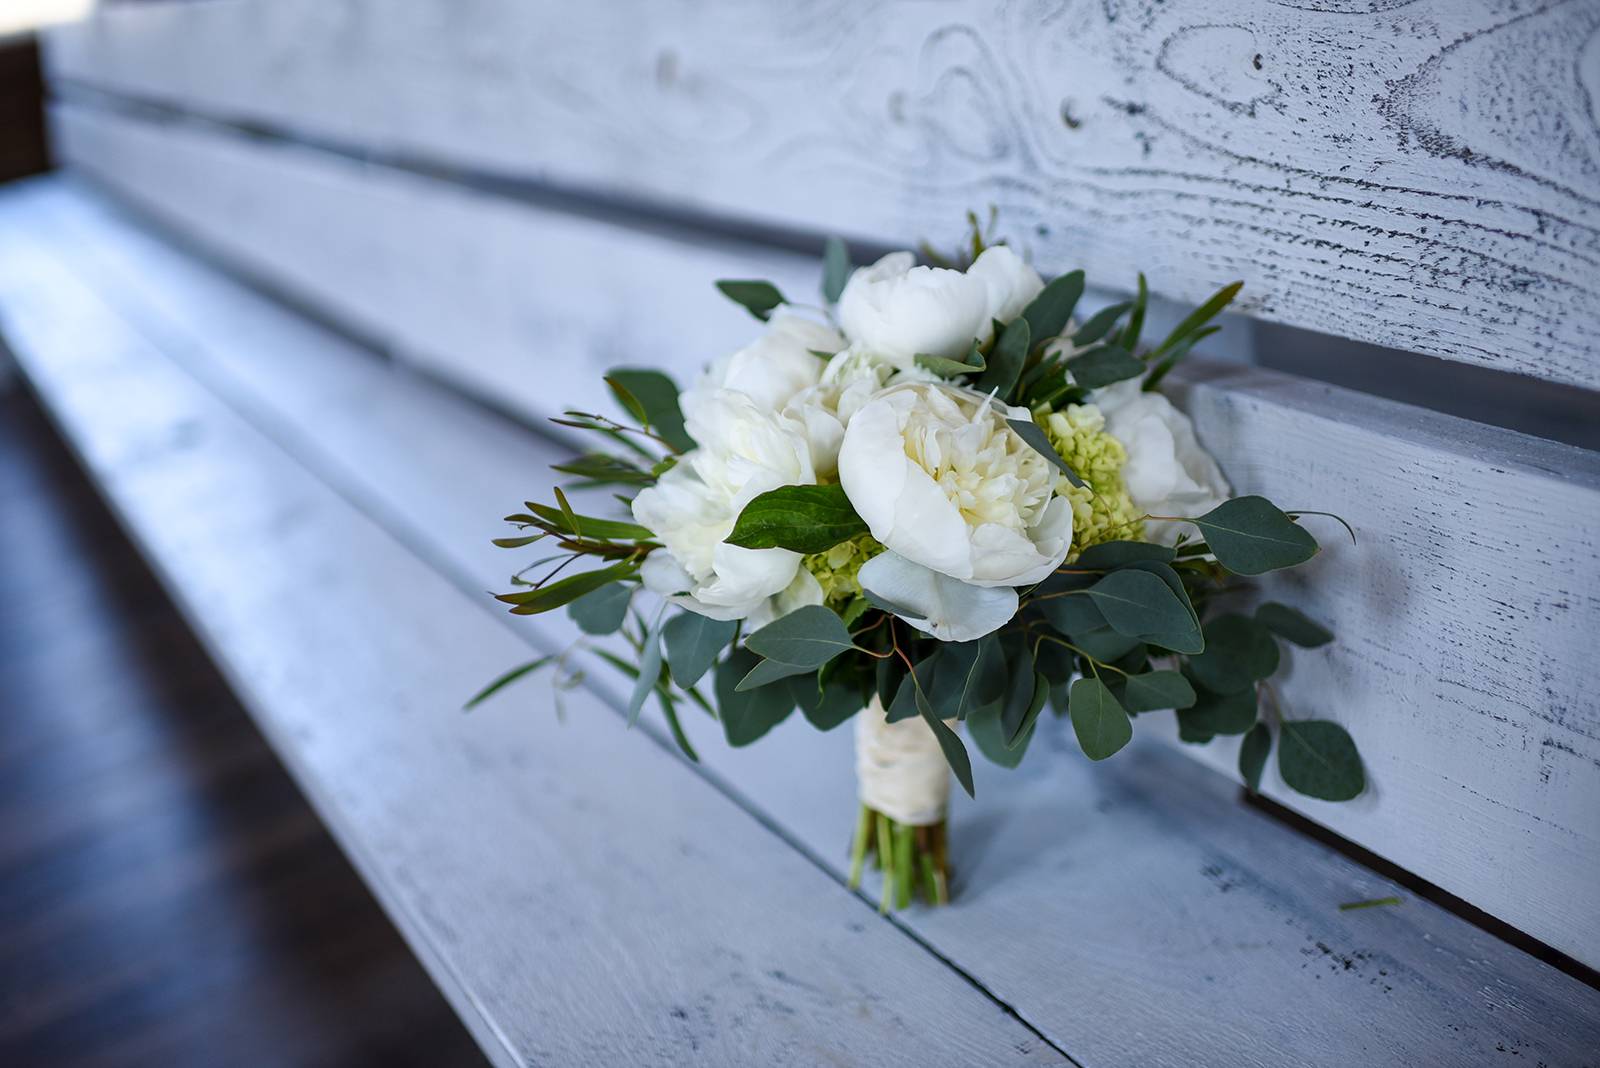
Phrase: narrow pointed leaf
{"type": "Point", "coordinates": [1050, 311]}
{"type": "Point", "coordinates": [835, 269]}
{"type": "Point", "coordinates": [1253, 756]}
{"type": "Point", "coordinates": [649, 671]}
{"type": "Point", "coordinates": [505, 680]}
{"type": "Point", "coordinates": [1006, 360]}
{"type": "Point", "coordinates": [1039, 442]}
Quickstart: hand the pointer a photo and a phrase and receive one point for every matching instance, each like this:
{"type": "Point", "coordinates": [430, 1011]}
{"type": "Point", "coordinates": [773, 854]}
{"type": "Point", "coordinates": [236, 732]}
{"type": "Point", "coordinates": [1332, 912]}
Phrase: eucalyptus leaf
{"type": "Point", "coordinates": [656, 397]}
{"type": "Point", "coordinates": [1317, 758]}
{"type": "Point", "coordinates": [1104, 365]}
{"type": "Point", "coordinates": [799, 642]}
{"type": "Point", "coordinates": [693, 642]}
{"type": "Point", "coordinates": [1293, 625]}
{"type": "Point", "coordinates": [748, 714]}
{"type": "Point", "coordinates": [1048, 314]}
{"type": "Point", "coordinates": [1071, 613]}
{"type": "Point", "coordinates": [1211, 713]}
{"type": "Point", "coordinates": [602, 611]}
{"type": "Point", "coordinates": [905, 703]}
{"type": "Point", "coordinates": [966, 677]}
{"type": "Point", "coordinates": [954, 752]}
{"type": "Point", "coordinates": [988, 733]}
{"type": "Point", "coordinates": [835, 269]}
{"type": "Point", "coordinates": [1098, 720]}
{"type": "Point", "coordinates": [1113, 554]}
{"type": "Point", "coordinates": [802, 519]}
{"type": "Point", "coordinates": [1239, 653]}
{"type": "Point", "coordinates": [1156, 690]}
{"type": "Point", "coordinates": [1033, 434]}
{"type": "Point", "coordinates": [1140, 604]}
{"type": "Point", "coordinates": [1099, 325]}
{"type": "Point", "coordinates": [1253, 755]}
{"type": "Point", "coordinates": [649, 671]}
{"type": "Point", "coordinates": [756, 297]}
{"type": "Point", "coordinates": [1251, 536]}
{"type": "Point", "coordinates": [1010, 352]}
{"type": "Point", "coordinates": [1104, 644]}
{"type": "Point", "coordinates": [825, 705]}
{"type": "Point", "coordinates": [945, 367]}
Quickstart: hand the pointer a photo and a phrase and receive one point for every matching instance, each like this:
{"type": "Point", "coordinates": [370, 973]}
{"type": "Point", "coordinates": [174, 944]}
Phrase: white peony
{"type": "Point", "coordinates": [943, 482]}
{"type": "Point", "coordinates": [1010, 284]}
{"type": "Point", "coordinates": [851, 379]}
{"type": "Point", "coordinates": [899, 311]}
{"type": "Point", "coordinates": [1168, 471]}
{"type": "Point", "coordinates": [744, 451]}
{"type": "Point", "coordinates": [776, 366]}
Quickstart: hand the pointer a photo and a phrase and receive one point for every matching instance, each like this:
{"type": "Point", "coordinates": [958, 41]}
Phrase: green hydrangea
{"type": "Point", "coordinates": [837, 569]}
{"type": "Point", "coordinates": [1101, 510]}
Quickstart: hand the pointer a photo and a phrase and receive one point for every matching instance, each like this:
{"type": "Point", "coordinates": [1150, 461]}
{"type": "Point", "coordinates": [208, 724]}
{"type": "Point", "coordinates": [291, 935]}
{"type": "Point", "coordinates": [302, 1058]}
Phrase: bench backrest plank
{"type": "Point", "coordinates": [1462, 665]}
{"type": "Point", "coordinates": [1423, 177]}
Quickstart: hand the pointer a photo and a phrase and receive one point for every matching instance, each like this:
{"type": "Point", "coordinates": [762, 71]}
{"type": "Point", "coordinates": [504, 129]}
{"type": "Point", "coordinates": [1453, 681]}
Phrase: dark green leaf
{"type": "Point", "coordinates": [564, 591]}
{"type": "Point", "coordinates": [1174, 356]}
{"type": "Point", "coordinates": [756, 297]}
{"type": "Point", "coordinates": [1071, 613]}
{"type": "Point", "coordinates": [669, 709]}
{"type": "Point", "coordinates": [1253, 755]}
{"type": "Point", "coordinates": [904, 705]}
{"type": "Point", "coordinates": [693, 642]}
{"type": "Point", "coordinates": [835, 269]}
{"type": "Point", "coordinates": [988, 733]}
{"type": "Point", "coordinates": [505, 680]}
{"type": "Point", "coordinates": [1033, 434]}
{"type": "Point", "coordinates": [1049, 312]}
{"type": "Point", "coordinates": [602, 468]}
{"type": "Point", "coordinates": [1110, 554]}
{"type": "Point", "coordinates": [1057, 663]}
{"type": "Point", "coordinates": [799, 642]}
{"type": "Point", "coordinates": [657, 396]}
{"type": "Point", "coordinates": [1317, 758]}
{"type": "Point", "coordinates": [1099, 324]}
{"type": "Point", "coordinates": [1006, 360]}
{"type": "Point", "coordinates": [1190, 639]}
{"type": "Point", "coordinates": [1292, 625]}
{"type": "Point", "coordinates": [1155, 690]}
{"type": "Point", "coordinates": [968, 674]}
{"type": "Point", "coordinates": [601, 611]}
{"type": "Point", "coordinates": [804, 519]}
{"type": "Point", "coordinates": [585, 526]}
{"type": "Point", "coordinates": [1025, 696]}
{"type": "Point", "coordinates": [1239, 653]}
{"type": "Point", "coordinates": [748, 714]}
{"type": "Point", "coordinates": [1104, 644]}
{"type": "Point", "coordinates": [954, 752]}
{"type": "Point", "coordinates": [649, 671]}
{"type": "Point", "coordinates": [517, 543]}
{"type": "Point", "coordinates": [1130, 336]}
{"type": "Point", "coordinates": [1229, 713]}
{"type": "Point", "coordinates": [1199, 317]}
{"type": "Point", "coordinates": [1104, 365]}
{"type": "Point", "coordinates": [1099, 722]}
{"type": "Point", "coordinates": [1142, 605]}
{"type": "Point", "coordinates": [948, 368]}
{"type": "Point", "coordinates": [1250, 536]}
{"type": "Point", "coordinates": [826, 705]}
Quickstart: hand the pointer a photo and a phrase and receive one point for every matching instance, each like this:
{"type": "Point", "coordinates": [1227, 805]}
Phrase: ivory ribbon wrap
{"type": "Point", "coordinates": [900, 769]}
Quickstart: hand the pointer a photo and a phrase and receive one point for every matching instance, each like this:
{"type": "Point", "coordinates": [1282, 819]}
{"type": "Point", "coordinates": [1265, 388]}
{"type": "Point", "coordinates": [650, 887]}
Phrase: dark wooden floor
{"type": "Point", "coordinates": [166, 896]}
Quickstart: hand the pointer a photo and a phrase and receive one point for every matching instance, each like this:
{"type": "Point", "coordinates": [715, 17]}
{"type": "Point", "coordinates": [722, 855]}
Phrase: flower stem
{"type": "Point", "coordinates": [885, 857]}
{"type": "Point", "coordinates": [858, 846]}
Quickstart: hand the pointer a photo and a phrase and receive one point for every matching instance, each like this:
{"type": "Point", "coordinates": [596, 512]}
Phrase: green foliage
{"type": "Point", "coordinates": [601, 611]}
{"type": "Point", "coordinates": [1098, 720]}
{"type": "Point", "coordinates": [948, 368]}
{"type": "Point", "coordinates": [825, 704]}
{"type": "Point", "coordinates": [649, 671]}
{"type": "Point", "coordinates": [1104, 365]}
{"type": "Point", "coordinates": [1239, 653]}
{"type": "Point", "coordinates": [1099, 325]}
{"type": "Point", "coordinates": [968, 674]}
{"type": "Point", "coordinates": [918, 680]}
{"type": "Point", "coordinates": [693, 642]}
{"type": "Point", "coordinates": [1317, 758]}
{"type": "Point", "coordinates": [1142, 605]}
{"type": "Point", "coordinates": [1112, 554]}
{"type": "Point", "coordinates": [652, 398]}
{"type": "Point", "coordinates": [564, 591]}
{"type": "Point", "coordinates": [1186, 334]}
{"type": "Point", "coordinates": [1251, 536]}
{"type": "Point", "coordinates": [1292, 625]}
{"type": "Point", "coordinates": [1037, 440]}
{"type": "Point", "coordinates": [505, 680]}
{"type": "Point", "coordinates": [1154, 690]}
{"type": "Point", "coordinates": [1050, 311]}
{"type": "Point", "coordinates": [803, 519]}
{"type": "Point", "coordinates": [603, 469]}
{"type": "Point", "coordinates": [988, 734]}
{"type": "Point", "coordinates": [750, 713]}
{"type": "Point", "coordinates": [954, 752]}
{"type": "Point", "coordinates": [799, 642]}
{"type": "Point", "coordinates": [1212, 713]}
{"type": "Point", "coordinates": [1253, 755]}
{"type": "Point", "coordinates": [1071, 613]}
{"type": "Point", "coordinates": [756, 297]}
{"type": "Point", "coordinates": [1006, 359]}
{"type": "Point", "coordinates": [566, 521]}
{"type": "Point", "coordinates": [835, 269]}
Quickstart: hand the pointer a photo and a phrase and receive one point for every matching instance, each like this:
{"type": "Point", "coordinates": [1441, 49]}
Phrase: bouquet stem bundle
{"type": "Point", "coordinates": [917, 859]}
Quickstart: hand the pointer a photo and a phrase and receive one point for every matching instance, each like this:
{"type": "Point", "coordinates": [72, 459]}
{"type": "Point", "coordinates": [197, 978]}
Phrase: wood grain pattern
{"type": "Point", "coordinates": [1443, 581]}
{"type": "Point", "coordinates": [1133, 911]}
{"type": "Point", "coordinates": [519, 857]}
{"type": "Point", "coordinates": [1424, 175]}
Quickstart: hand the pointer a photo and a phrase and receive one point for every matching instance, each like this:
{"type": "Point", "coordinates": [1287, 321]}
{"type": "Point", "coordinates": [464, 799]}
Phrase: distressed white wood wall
{"type": "Point", "coordinates": [1465, 613]}
{"type": "Point", "coordinates": [1423, 174]}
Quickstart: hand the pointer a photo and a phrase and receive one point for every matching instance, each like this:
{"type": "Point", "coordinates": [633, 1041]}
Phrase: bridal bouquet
{"type": "Point", "coordinates": [939, 504]}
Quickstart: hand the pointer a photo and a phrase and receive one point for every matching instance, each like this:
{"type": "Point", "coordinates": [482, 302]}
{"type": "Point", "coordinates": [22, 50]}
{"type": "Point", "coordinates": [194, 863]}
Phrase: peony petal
{"type": "Point", "coordinates": [946, 608]}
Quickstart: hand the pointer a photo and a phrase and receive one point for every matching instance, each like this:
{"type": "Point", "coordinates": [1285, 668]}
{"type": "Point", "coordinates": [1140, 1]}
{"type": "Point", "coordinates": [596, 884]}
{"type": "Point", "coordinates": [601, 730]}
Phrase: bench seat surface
{"type": "Point", "coordinates": [581, 893]}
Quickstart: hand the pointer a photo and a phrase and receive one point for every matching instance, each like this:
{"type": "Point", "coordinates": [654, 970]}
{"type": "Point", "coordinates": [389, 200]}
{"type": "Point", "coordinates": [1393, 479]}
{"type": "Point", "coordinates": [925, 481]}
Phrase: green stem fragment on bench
{"type": "Point", "coordinates": [1372, 903]}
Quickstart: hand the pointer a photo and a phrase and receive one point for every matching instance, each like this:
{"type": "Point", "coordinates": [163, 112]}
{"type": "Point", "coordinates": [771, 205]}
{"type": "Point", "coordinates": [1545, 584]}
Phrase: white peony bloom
{"type": "Point", "coordinates": [942, 481]}
{"type": "Point", "coordinates": [804, 590]}
{"type": "Point", "coordinates": [898, 311]}
{"type": "Point", "coordinates": [947, 608]}
{"type": "Point", "coordinates": [851, 379]}
{"type": "Point", "coordinates": [776, 366]}
{"type": "Point", "coordinates": [1168, 471]}
{"type": "Point", "coordinates": [1010, 284]}
{"type": "Point", "coordinates": [744, 451]}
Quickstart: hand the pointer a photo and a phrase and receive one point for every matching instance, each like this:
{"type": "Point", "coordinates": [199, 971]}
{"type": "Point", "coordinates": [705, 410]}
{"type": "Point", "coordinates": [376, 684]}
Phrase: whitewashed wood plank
{"type": "Point", "coordinates": [1422, 174]}
{"type": "Point", "coordinates": [580, 896]}
{"type": "Point", "coordinates": [1514, 777]}
{"type": "Point", "coordinates": [1133, 911]}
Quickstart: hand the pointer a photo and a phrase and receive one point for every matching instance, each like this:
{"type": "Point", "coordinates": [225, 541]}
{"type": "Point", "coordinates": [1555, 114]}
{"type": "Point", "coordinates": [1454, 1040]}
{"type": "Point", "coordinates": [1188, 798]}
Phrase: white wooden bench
{"type": "Point", "coordinates": [507, 203]}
